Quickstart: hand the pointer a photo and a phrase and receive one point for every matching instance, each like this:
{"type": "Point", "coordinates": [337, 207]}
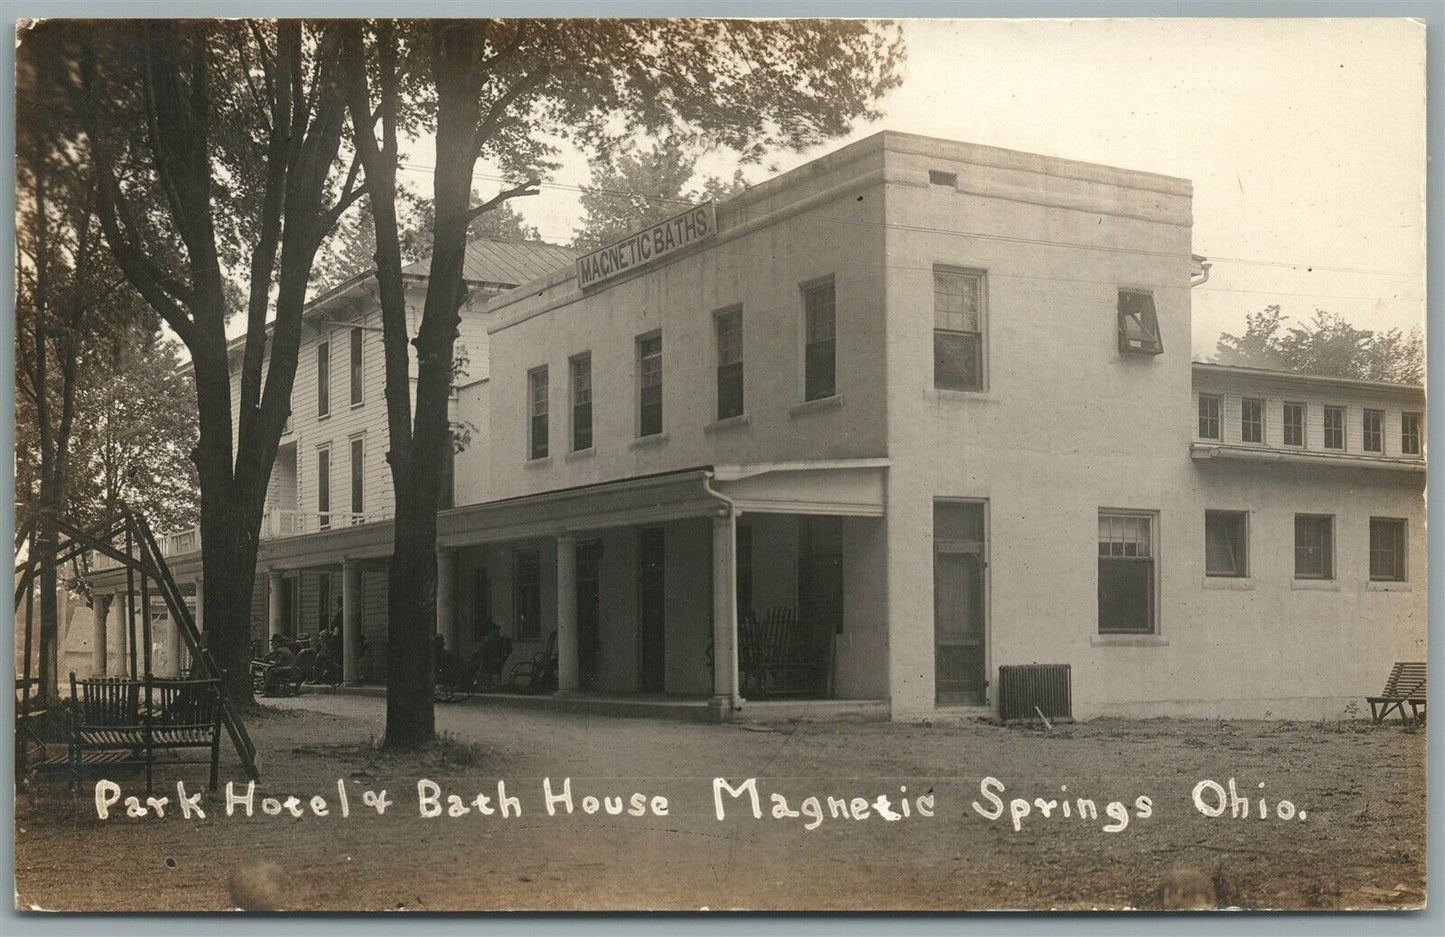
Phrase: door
{"type": "Point", "coordinates": [650, 600]}
{"type": "Point", "coordinates": [960, 626]}
{"type": "Point", "coordinates": [589, 611]}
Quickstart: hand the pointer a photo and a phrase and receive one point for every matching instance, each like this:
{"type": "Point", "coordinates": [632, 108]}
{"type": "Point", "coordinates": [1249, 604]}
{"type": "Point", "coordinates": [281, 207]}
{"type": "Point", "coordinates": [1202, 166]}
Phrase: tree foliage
{"type": "Point", "coordinates": [1327, 345]}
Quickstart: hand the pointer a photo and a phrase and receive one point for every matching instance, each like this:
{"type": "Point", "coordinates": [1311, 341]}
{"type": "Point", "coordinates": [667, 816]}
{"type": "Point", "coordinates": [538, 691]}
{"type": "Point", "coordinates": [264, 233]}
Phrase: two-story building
{"type": "Point", "coordinates": [938, 397]}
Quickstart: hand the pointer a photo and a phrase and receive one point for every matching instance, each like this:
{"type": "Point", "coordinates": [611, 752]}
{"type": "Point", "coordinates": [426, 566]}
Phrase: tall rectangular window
{"type": "Point", "coordinates": [1138, 324]}
{"type": "Point", "coordinates": [1226, 544]}
{"type": "Point", "coordinates": [1374, 431]}
{"type": "Point", "coordinates": [729, 325]}
{"type": "Point", "coordinates": [649, 386]}
{"type": "Point", "coordinates": [957, 329]}
{"type": "Point", "coordinates": [582, 402]}
{"type": "Point", "coordinates": [1314, 546]}
{"type": "Point", "coordinates": [1294, 424]}
{"type": "Point", "coordinates": [1251, 420]}
{"type": "Point", "coordinates": [358, 479]}
{"type": "Point", "coordinates": [537, 413]}
{"type": "Point", "coordinates": [323, 379]}
{"type": "Point", "coordinates": [1387, 549]}
{"type": "Point", "coordinates": [1126, 572]}
{"type": "Point", "coordinates": [357, 396]}
{"type": "Point", "coordinates": [527, 594]}
{"type": "Point", "coordinates": [1210, 422]}
{"type": "Point", "coordinates": [1410, 433]}
{"type": "Point", "coordinates": [819, 354]}
{"type": "Point", "coordinates": [1334, 427]}
{"type": "Point", "coordinates": [323, 487]}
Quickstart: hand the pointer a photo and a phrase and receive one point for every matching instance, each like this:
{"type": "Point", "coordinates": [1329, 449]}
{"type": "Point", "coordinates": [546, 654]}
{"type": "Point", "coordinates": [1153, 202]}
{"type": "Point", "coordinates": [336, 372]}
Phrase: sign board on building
{"type": "Point", "coordinates": [666, 237]}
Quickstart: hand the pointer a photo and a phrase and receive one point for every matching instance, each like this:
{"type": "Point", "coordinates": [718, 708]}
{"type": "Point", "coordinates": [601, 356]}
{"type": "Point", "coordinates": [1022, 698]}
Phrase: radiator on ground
{"type": "Point", "coordinates": [1026, 690]}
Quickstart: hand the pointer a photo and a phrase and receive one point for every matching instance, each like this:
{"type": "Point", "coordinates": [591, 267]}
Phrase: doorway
{"type": "Point", "coordinates": [589, 612]}
{"type": "Point", "coordinates": [651, 597]}
{"type": "Point", "coordinates": [960, 608]}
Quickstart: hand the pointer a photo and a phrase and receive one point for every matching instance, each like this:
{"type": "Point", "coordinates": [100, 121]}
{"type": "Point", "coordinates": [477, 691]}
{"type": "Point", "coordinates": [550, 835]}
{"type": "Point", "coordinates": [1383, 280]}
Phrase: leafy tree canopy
{"type": "Point", "coordinates": [1326, 345]}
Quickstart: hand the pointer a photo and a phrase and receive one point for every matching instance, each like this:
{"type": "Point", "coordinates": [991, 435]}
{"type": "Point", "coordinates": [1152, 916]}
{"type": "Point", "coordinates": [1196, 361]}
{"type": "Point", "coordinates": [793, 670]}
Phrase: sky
{"type": "Point", "coordinates": [1305, 141]}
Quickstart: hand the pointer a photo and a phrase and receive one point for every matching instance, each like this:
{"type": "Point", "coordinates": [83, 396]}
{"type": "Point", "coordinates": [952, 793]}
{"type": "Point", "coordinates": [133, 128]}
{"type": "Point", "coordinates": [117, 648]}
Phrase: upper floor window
{"type": "Point", "coordinates": [1210, 422]}
{"type": "Point", "coordinates": [819, 361]}
{"type": "Point", "coordinates": [323, 378]}
{"type": "Point", "coordinates": [1387, 549]}
{"type": "Point", "coordinates": [957, 329]}
{"type": "Point", "coordinates": [1294, 424]}
{"type": "Point", "coordinates": [1374, 430]}
{"type": "Point", "coordinates": [1410, 433]}
{"type": "Point", "coordinates": [323, 487]}
{"type": "Point", "coordinates": [1314, 546]}
{"type": "Point", "coordinates": [1127, 578]}
{"type": "Point", "coordinates": [1138, 324]}
{"type": "Point", "coordinates": [537, 413]}
{"type": "Point", "coordinates": [649, 385]}
{"type": "Point", "coordinates": [1226, 544]}
{"type": "Point", "coordinates": [358, 478]}
{"type": "Point", "coordinates": [582, 402]}
{"type": "Point", "coordinates": [1251, 420]}
{"type": "Point", "coordinates": [729, 326]}
{"type": "Point", "coordinates": [356, 371]}
{"type": "Point", "coordinates": [1334, 427]}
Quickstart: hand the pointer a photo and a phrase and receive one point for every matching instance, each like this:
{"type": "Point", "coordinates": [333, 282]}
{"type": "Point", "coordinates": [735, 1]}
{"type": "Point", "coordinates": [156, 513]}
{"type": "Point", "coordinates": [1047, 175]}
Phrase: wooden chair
{"type": "Point", "coordinates": [539, 674]}
{"type": "Point", "coordinates": [785, 656]}
{"type": "Point", "coordinates": [1406, 687]}
{"type": "Point", "coordinates": [125, 722]}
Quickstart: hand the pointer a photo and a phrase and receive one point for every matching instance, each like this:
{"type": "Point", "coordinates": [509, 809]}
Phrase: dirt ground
{"type": "Point", "coordinates": [1357, 837]}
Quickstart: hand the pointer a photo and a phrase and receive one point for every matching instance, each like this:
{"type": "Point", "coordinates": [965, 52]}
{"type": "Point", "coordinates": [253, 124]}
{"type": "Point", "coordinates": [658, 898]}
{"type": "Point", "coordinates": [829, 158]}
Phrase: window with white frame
{"type": "Point", "coordinates": [820, 365]}
{"type": "Point", "coordinates": [1127, 575]}
{"type": "Point", "coordinates": [537, 404]}
{"type": "Point", "coordinates": [1373, 425]}
{"type": "Point", "coordinates": [1334, 427]}
{"type": "Point", "coordinates": [582, 402]}
{"type": "Point", "coordinates": [1226, 544]}
{"type": "Point", "coordinates": [1251, 420]}
{"type": "Point", "coordinates": [1387, 549]}
{"type": "Point", "coordinates": [958, 297]}
{"type": "Point", "coordinates": [1138, 324]}
{"type": "Point", "coordinates": [356, 374]}
{"type": "Point", "coordinates": [1314, 546]}
{"type": "Point", "coordinates": [323, 487]}
{"type": "Point", "coordinates": [358, 478]}
{"type": "Point", "coordinates": [729, 327]}
{"type": "Point", "coordinates": [1210, 419]}
{"type": "Point", "coordinates": [649, 385]}
{"type": "Point", "coordinates": [1294, 424]}
{"type": "Point", "coordinates": [323, 378]}
{"type": "Point", "coordinates": [1410, 433]}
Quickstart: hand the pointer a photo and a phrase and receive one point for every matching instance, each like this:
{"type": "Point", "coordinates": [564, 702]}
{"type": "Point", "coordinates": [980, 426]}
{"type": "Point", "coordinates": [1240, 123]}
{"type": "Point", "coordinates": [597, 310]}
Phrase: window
{"type": "Point", "coordinates": [527, 594]}
{"type": "Point", "coordinates": [1226, 544]}
{"type": "Point", "coordinates": [356, 372]}
{"type": "Point", "coordinates": [939, 177]}
{"type": "Point", "coordinates": [1314, 546]}
{"type": "Point", "coordinates": [1374, 430]}
{"type": "Point", "coordinates": [1294, 424]}
{"type": "Point", "coordinates": [1138, 324]}
{"type": "Point", "coordinates": [1126, 573]}
{"type": "Point", "coordinates": [323, 487]}
{"type": "Point", "coordinates": [323, 379]}
{"type": "Point", "coordinates": [1209, 418]}
{"type": "Point", "coordinates": [957, 330]}
{"type": "Point", "coordinates": [820, 571]}
{"type": "Point", "coordinates": [819, 363]}
{"type": "Point", "coordinates": [358, 475]}
{"type": "Point", "coordinates": [1410, 433]}
{"type": "Point", "coordinates": [1251, 420]}
{"type": "Point", "coordinates": [1387, 549]}
{"type": "Point", "coordinates": [729, 325]}
{"type": "Point", "coordinates": [649, 386]}
{"type": "Point", "coordinates": [582, 402]}
{"type": "Point", "coordinates": [537, 410]}
{"type": "Point", "coordinates": [1334, 427]}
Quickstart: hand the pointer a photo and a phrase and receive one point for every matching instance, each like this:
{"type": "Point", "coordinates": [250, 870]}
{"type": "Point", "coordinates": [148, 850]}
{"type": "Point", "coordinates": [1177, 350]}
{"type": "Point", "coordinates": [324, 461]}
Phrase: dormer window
{"type": "Point", "coordinates": [1138, 325]}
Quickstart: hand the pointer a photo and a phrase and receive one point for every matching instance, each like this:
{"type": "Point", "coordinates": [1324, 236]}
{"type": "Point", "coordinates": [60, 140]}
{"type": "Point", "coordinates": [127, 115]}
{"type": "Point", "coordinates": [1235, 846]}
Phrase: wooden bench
{"type": "Point", "coordinates": [126, 722]}
{"type": "Point", "coordinates": [784, 657]}
{"type": "Point", "coordinates": [1406, 687]}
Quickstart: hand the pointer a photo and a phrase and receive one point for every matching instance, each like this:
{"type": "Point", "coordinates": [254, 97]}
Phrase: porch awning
{"type": "Point", "coordinates": [851, 487]}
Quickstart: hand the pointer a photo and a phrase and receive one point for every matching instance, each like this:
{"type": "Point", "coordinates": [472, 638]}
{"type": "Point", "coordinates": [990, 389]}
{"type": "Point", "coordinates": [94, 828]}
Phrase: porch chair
{"type": "Point", "coordinates": [539, 674]}
{"type": "Point", "coordinates": [1406, 686]}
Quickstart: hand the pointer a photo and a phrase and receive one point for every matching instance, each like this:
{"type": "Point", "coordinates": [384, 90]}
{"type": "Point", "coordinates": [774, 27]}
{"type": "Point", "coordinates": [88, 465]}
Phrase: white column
{"type": "Point", "coordinates": [446, 598]}
{"type": "Point", "coordinates": [99, 609]}
{"type": "Point", "coordinates": [170, 638]}
{"type": "Point", "coordinates": [567, 680]}
{"type": "Point", "coordinates": [724, 613]}
{"type": "Point", "coordinates": [273, 603]}
{"type": "Point", "coordinates": [350, 621]}
{"type": "Point", "coordinates": [199, 616]}
{"type": "Point", "coordinates": [115, 647]}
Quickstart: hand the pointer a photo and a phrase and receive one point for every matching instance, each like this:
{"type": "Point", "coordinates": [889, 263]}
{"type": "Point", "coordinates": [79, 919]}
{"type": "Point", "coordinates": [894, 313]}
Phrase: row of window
{"type": "Point", "coordinates": [1251, 424]}
{"type": "Point", "coordinates": [1128, 580]}
{"type": "Point", "coordinates": [356, 381]}
{"type": "Point", "coordinates": [357, 448]}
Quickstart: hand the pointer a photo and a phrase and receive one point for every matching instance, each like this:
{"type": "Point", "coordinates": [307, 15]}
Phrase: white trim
{"type": "Point", "coordinates": [737, 472]}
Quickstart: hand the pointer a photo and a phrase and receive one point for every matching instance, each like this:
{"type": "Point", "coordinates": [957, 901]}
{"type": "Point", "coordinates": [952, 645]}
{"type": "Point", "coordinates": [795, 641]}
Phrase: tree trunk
{"type": "Point", "coordinates": [230, 530]}
{"type": "Point", "coordinates": [411, 611]}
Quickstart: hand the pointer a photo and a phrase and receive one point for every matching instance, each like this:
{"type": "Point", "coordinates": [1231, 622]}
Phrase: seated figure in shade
{"type": "Point", "coordinates": [494, 648]}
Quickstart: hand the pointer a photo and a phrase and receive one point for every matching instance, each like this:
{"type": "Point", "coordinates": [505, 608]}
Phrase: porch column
{"type": "Point", "coordinates": [446, 604]}
{"type": "Point", "coordinates": [273, 603]}
{"type": "Point", "coordinates": [567, 679]}
{"type": "Point", "coordinates": [99, 609]}
{"type": "Point", "coordinates": [199, 614]}
{"type": "Point", "coordinates": [350, 621]}
{"type": "Point", "coordinates": [170, 636]}
{"type": "Point", "coordinates": [724, 612]}
{"type": "Point", "coordinates": [115, 649]}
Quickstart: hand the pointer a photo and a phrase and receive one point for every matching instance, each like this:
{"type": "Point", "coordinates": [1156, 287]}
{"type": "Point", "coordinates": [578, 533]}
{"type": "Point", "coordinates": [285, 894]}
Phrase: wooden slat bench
{"type": "Point", "coordinates": [1406, 687]}
{"type": "Point", "coordinates": [784, 657]}
{"type": "Point", "coordinates": [126, 722]}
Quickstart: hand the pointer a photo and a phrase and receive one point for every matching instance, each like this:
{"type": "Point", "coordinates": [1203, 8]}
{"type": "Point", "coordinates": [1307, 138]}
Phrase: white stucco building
{"type": "Point", "coordinates": [936, 397]}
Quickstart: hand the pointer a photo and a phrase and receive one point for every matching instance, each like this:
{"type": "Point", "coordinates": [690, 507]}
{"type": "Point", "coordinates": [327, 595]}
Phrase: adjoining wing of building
{"type": "Point", "coordinates": [935, 398]}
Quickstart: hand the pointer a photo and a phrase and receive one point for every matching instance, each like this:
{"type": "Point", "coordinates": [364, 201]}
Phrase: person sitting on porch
{"type": "Point", "coordinates": [494, 649]}
{"type": "Point", "coordinates": [278, 662]}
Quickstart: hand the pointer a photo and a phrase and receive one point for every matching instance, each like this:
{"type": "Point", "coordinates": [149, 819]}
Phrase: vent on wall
{"type": "Point", "coordinates": [939, 177]}
{"type": "Point", "coordinates": [1028, 690]}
